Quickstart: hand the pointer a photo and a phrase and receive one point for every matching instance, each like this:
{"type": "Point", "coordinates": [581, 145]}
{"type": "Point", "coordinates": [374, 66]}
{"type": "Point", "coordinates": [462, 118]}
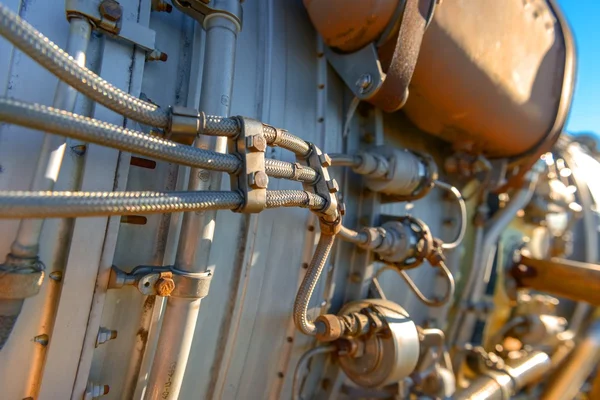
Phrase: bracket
{"type": "Point", "coordinates": [252, 181]}
{"type": "Point", "coordinates": [202, 10]}
{"type": "Point", "coordinates": [324, 186]}
{"type": "Point", "coordinates": [106, 16]}
{"type": "Point", "coordinates": [162, 281]}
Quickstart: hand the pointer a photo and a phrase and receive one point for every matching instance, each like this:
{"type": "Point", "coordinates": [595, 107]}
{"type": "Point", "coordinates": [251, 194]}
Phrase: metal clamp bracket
{"type": "Point", "coordinates": [202, 10]}
{"type": "Point", "coordinates": [107, 17]}
{"type": "Point", "coordinates": [162, 281]}
{"type": "Point", "coordinates": [324, 186]}
{"type": "Point", "coordinates": [252, 180]}
{"type": "Point", "coordinates": [20, 278]}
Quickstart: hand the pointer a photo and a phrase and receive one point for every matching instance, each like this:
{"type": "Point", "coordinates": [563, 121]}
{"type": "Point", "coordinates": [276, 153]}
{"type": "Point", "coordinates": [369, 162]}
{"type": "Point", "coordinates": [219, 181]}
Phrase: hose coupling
{"type": "Point", "coordinates": [332, 327]}
{"type": "Point", "coordinates": [184, 124]}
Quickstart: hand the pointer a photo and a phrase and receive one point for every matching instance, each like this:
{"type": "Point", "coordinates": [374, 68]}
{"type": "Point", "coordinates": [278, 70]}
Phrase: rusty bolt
{"type": "Point", "coordinates": [325, 160]}
{"type": "Point", "coordinates": [258, 180]}
{"type": "Point", "coordinates": [333, 186]}
{"type": "Point", "coordinates": [161, 6]}
{"type": "Point", "coordinates": [157, 55]}
{"type": "Point", "coordinates": [111, 10]}
{"type": "Point", "coordinates": [256, 143]}
{"type": "Point", "coordinates": [165, 285]}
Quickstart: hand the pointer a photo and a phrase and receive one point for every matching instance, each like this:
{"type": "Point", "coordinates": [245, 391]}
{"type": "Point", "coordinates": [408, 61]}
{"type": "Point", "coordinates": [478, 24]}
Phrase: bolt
{"type": "Point", "coordinates": [42, 339]}
{"type": "Point", "coordinates": [364, 83]}
{"type": "Point", "coordinates": [333, 186]}
{"type": "Point", "coordinates": [342, 208]}
{"type": "Point", "coordinates": [56, 276]}
{"type": "Point", "coordinates": [105, 335]}
{"type": "Point", "coordinates": [165, 285]}
{"type": "Point", "coordinates": [258, 180]}
{"type": "Point", "coordinates": [79, 149]}
{"type": "Point", "coordinates": [325, 160]}
{"type": "Point", "coordinates": [94, 391]}
{"type": "Point", "coordinates": [156, 55]}
{"type": "Point", "coordinates": [111, 10]}
{"type": "Point", "coordinates": [161, 6]}
{"type": "Point", "coordinates": [256, 143]}
{"type": "Point", "coordinates": [355, 278]}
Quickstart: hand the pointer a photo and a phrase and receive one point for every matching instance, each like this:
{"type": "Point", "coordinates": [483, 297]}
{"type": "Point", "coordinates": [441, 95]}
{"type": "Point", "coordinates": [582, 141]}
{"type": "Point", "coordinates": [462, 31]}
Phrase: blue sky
{"type": "Point", "coordinates": [583, 18]}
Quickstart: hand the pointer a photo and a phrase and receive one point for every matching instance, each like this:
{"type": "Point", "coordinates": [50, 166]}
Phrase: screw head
{"type": "Point", "coordinates": [364, 83]}
{"type": "Point", "coordinates": [164, 287]}
{"type": "Point", "coordinates": [111, 10]}
{"type": "Point", "coordinates": [333, 186]}
{"type": "Point", "coordinates": [258, 180]}
{"type": "Point", "coordinates": [325, 160]}
{"type": "Point", "coordinates": [256, 143]}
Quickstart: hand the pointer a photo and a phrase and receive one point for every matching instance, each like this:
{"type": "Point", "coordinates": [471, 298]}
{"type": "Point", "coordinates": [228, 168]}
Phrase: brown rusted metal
{"type": "Point", "coordinates": [165, 285]}
{"type": "Point", "coordinates": [571, 279]}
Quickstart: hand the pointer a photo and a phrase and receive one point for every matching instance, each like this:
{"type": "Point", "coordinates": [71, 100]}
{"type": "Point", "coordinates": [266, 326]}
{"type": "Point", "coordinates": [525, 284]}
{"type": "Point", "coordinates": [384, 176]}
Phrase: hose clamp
{"type": "Point", "coordinates": [166, 281]}
{"type": "Point", "coordinates": [184, 124]}
{"type": "Point", "coordinates": [20, 278]}
{"type": "Point", "coordinates": [252, 180]}
{"type": "Point", "coordinates": [324, 186]}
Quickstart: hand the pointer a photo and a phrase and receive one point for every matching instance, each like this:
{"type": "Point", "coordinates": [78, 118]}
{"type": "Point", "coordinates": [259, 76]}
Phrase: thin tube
{"type": "Point", "coordinates": [301, 320]}
{"type": "Point", "coordinates": [21, 204]}
{"type": "Point", "coordinates": [345, 160]}
{"type": "Point", "coordinates": [37, 46]}
{"type": "Point", "coordinates": [302, 363]}
{"type": "Point", "coordinates": [197, 229]}
{"type": "Point", "coordinates": [352, 236]}
{"type": "Point", "coordinates": [26, 243]}
{"type": "Point", "coordinates": [463, 215]}
{"type": "Point", "coordinates": [75, 126]}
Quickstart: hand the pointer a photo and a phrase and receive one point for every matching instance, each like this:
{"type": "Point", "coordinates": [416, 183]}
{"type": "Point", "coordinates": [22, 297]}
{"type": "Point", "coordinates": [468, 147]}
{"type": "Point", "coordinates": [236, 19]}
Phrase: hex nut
{"type": "Point", "coordinates": [325, 160]}
{"type": "Point", "coordinates": [258, 180]}
{"type": "Point", "coordinates": [333, 186]}
{"type": "Point", "coordinates": [342, 208]}
{"type": "Point", "coordinates": [111, 10]}
{"type": "Point", "coordinates": [256, 143]}
{"type": "Point", "coordinates": [164, 286]}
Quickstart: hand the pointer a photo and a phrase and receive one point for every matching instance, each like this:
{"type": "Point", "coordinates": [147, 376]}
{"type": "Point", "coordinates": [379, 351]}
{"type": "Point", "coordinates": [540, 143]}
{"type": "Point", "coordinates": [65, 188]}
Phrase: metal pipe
{"type": "Point", "coordinates": [197, 230]}
{"type": "Point", "coordinates": [302, 362]}
{"type": "Point", "coordinates": [565, 278]}
{"type": "Point", "coordinates": [463, 215]}
{"type": "Point", "coordinates": [26, 243]}
{"type": "Point", "coordinates": [482, 264]}
{"type": "Point", "coordinates": [572, 374]}
{"type": "Point", "coordinates": [37, 46]}
{"type": "Point", "coordinates": [590, 227]}
{"type": "Point", "coordinates": [502, 384]}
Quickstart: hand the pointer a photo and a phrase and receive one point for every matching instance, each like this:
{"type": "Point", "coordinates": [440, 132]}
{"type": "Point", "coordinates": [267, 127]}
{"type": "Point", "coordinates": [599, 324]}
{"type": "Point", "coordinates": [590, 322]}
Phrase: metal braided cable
{"type": "Point", "coordinates": [67, 124]}
{"type": "Point", "coordinates": [25, 204]}
{"type": "Point", "coordinates": [286, 170]}
{"type": "Point", "coordinates": [37, 46]}
{"type": "Point", "coordinates": [294, 198]}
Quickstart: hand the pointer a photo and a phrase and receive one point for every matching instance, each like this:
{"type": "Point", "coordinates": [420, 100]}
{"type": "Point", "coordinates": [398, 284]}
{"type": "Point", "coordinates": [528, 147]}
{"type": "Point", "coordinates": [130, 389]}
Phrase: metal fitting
{"type": "Point", "coordinates": [364, 83]}
{"type": "Point", "coordinates": [162, 281]}
{"type": "Point", "coordinates": [94, 390]}
{"type": "Point", "coordinates": [157, 55]}
{"type": "Point", "coordinates": [161, 6]}
{"type": "Point", "coordinates": [203, 10]}
{"type": "Point", "coordinates": [325, 160]}
{"type": "Point", "coordinates": [105, 335]}
{"type": "Point", "coordinates": [256, 143]}
{"type": "Point", "coordinates": [20, 277]}
{"type": "Point", "coordinates": [185, 123]}
{"type": "Point", "coordinates": [258, 180]}
{"type": "Point", "coordinates": [111, 10]}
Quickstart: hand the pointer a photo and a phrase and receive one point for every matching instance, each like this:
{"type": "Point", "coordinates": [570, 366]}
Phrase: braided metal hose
{"type": "Point", "coordinates": [23, 204]}
{"type": "Point", "coordinates": [294, 198]}
{"type": "Point", "coordinates": [301, 320]}
{"type": "Point", "coordinates": [90, 130]}
{"type": "Point", "coordinates": [37, 46]}
{"type": "Point", "coordinates": [286, 170]}
{"type": "Point", "coordinates": [223, 126]}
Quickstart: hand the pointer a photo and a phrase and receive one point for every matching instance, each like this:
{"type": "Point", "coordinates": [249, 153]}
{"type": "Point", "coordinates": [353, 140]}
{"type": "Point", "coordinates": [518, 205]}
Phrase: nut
{"type": "Point", "coordinates": [258, 180]}
{"type": "Point", "coordinates": [111, 10]}
{"type": "Point", "coordinates": [256, 143]}
{"type": "Point", "coordinates": [325, 160]}
{"type": "Point", "coordinates": [342, 208]}
{"type": "Point", "coordinates": [165, 285]}
{"type": "Point", "coordinates": [333, 186]}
